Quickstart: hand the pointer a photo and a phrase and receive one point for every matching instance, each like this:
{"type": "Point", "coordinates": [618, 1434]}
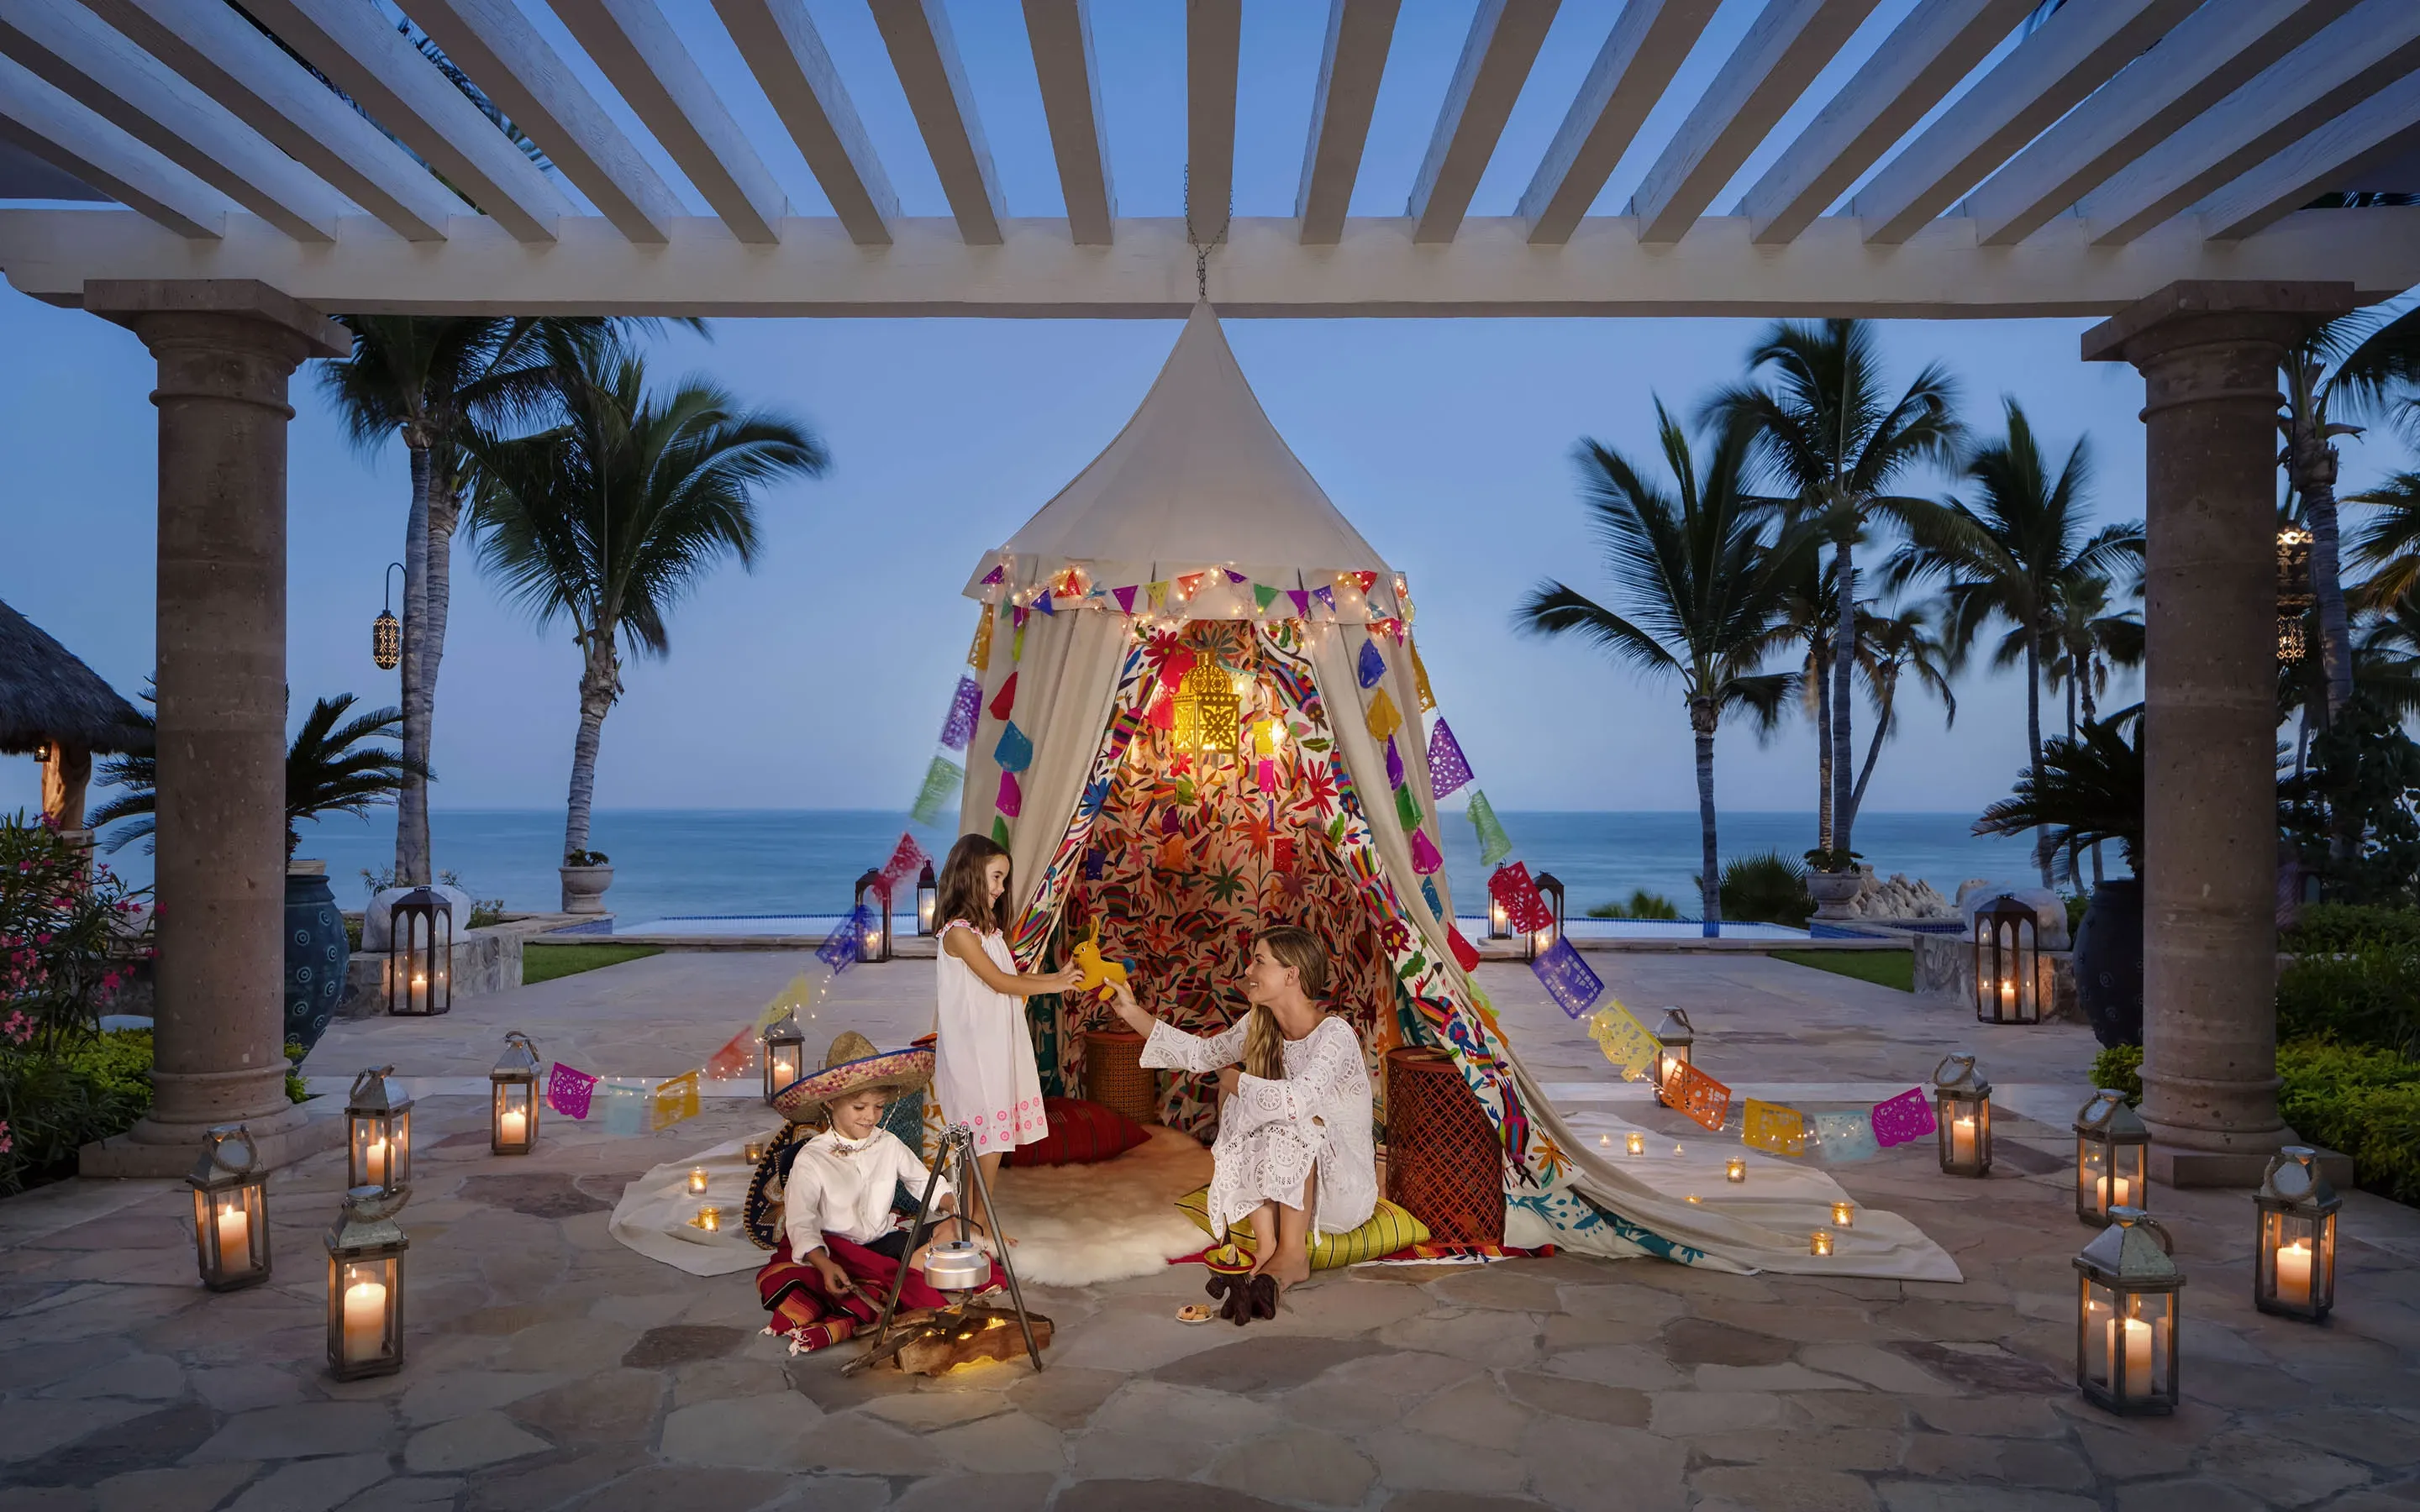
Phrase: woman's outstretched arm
{"type": "Point", "coordinates": [1167, 1046]}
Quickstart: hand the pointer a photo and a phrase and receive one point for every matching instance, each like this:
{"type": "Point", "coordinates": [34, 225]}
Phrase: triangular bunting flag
{"type": "Point", "coordinates": [994, 576]}
{"type": "Point", "coordinates": [1015, 752]}
{"type": "Point", "coordinates": [1301, 602]}
{"type": "Point", "coordinates": [1448, 768]}
{"type": "Point", "coordinates": [1157, 593]}
{"type": "Point", "coordinates": [1494, 844]}
{"type": "Point", "coordinates": [1466, 954]}
{"type": "Point", "coordinates": [979, 654]}
{"type": "Point", "coordinates": [1420, 679]}
{"type": "Point", "coordinates": [1233, 576]}
{"type": "Point", "coordinates": [1004, 701]}
{"type": "Point", "coordinates": [941, 781]}
{"type": "Point", "coordinates": [1124, 597]}
{"type": "Point", "coordinates": [1372, 666]}
{"type": "Point", "coordinates": [965, 706]}
{"type": "Point", "coordinates": [1429, 896]}
{"type": "Point", "coordinates": [1382, 718]}
{"type": "Point", "coordinates": [1000, 831]}
{"type": "Point", "coordinates": [1394, 763]}
{"type": "Point", "coordinates": [1407, 809]}
{"type": "Point", "coordinates": [1426, 858]}
{"type": "Point", "coordinates": [1263, 596]}
{"type": "Point", "coordinates": [1325, 595]}
{"type": "Point", "coordinates": [1012, 798]}
{"type": "Point", "coordinates": [1190, 584]}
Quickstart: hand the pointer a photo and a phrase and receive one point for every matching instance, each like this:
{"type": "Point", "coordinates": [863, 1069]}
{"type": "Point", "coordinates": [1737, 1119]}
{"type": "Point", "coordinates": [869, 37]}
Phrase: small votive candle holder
{"type": "Point", "coordinates": [1844, 1215]}
{"type": "Point", "coordinates": [755, 1149]}
{"type": "Point", "coordinates": [1735, 1169]}
{"type": "Point", "coordinates": [1638, 1144]}
{"type": "Point", "coordinates": [697, 1180]}
{"type": "Point", "coordinates": [1694, 1197]}
{"type": "Point", "coordinates": [1819, 1243]}
{"type": "Point", "coordinates": [709, 1218]}
{"type": "Point", "coordinates": [1606, 1140]}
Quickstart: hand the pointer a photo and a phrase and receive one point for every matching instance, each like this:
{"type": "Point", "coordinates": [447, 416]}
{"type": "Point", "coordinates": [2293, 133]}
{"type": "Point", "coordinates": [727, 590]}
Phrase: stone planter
{"type": "Point", "coordinates": [1833, 892]}
{"type": "Point", "coordinates": [583, 887]}
{"type": "Point", "coordinates": [317, 952]}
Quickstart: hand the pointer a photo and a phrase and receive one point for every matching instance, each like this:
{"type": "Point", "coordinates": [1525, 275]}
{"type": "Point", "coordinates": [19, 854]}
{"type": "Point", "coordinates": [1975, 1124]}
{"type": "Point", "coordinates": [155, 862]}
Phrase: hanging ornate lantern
{"type": "Point", "coordinates": [2111, 1146]}
{"type": "Point", "coordinates": [873, 896]}
{"type": "Point", "coordinates": [386, 631]}
{"type": "Point", "coordinates": [785, 1052]}
{"type": "Point", "coordinates": [230, 1210]}
{"type": "Point", "coordinates": [1208, 713]}
{"type": "Point", "coordinates": [512, 1083]}
{"type": "Point", "coordinates": [1962, 1102]}
{"type": "Point", "coordinates": [928, 896]}
{"type": "Point", "coordinates": [1551, 887]}
{"type": "Point", "coordinates": [2294, 596]}
{"type": "Point", "coordinates": [420, 953]}
{"type": "Point", "coordinates": [378, 1133]}
{"type": "Point", "coordinates": [2126, 1317]}
{"type": "Point", "coordinates": [2007, 963]}
{"type": "Point", "coordinates": [366, 1286]}
{"type": "Point", "coordinates": [1676, 1036]}
{"type": "Point", "coordinates": [2294, 1261]}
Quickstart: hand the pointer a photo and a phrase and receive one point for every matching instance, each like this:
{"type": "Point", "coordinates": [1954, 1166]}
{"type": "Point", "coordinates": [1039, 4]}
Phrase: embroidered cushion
{"type": "Point", "coordinates": [1080, 1134]}
{"type": "Point", "coordinates": [1389, 1228]}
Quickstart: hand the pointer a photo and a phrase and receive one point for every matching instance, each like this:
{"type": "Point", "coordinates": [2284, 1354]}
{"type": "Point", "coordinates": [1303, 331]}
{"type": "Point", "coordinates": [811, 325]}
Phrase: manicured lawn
{"type": "Point", "coordinates": [1884, 968]}
{"type": "Point", "coordinates": [544, 963]}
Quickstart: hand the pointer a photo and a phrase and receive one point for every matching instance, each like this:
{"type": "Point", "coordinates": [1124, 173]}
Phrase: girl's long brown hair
{"type": "Point", "coordinates": [960, 894]}
{"type": "Point", "coordinates": [1264, 1044]}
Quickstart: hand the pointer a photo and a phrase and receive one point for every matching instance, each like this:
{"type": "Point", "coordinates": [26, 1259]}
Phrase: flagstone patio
{"type": "Point", "coordinates": [550, 1367]}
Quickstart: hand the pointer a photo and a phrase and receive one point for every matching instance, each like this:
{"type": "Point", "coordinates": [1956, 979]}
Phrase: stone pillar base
{"type": "Point", "coordinates": [156, 1149]}
{"type": "Point", "coordinates": [2177, 1167]}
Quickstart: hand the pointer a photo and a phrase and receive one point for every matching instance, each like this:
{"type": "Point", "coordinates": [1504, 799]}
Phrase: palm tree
{"type": "Point", "coordinates": [1825, 431]}
{"type": "Point", "coordinates": [2089, 641]}
{"type": "Point", "coordinates": [1889, 648]}
{"type": "Point", "coordinates": [2012, 555]}
{"type": "Point", "coordinates": [1702, 589]}
{"type": "Point", "coordinates": [2085, 790]}
{"type": "Point", "coordinates": [609, 518]}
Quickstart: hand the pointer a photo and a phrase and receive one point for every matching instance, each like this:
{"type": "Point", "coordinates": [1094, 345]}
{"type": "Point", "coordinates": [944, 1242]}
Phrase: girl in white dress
{"type": "Point", "coordinates": [1294, 1146]}
{"type": "Point", "coordinates": [985, 1072]}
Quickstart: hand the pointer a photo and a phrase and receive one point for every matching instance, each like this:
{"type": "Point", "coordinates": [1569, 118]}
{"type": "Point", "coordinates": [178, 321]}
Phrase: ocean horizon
{"type": "Point", "coordinates": [707, 862]}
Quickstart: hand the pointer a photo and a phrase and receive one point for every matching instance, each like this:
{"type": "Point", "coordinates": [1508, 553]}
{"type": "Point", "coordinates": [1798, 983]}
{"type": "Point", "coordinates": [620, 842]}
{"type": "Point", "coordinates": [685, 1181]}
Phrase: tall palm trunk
{"type": "Point", "coordinates": [1815, 658]}
{"type": "Point", "coordinates": [2314, 478]}
{"type": "Point", "coordinates": [1710, 884]}
{"type": "Point", "coordinates": [1844, 648]}
{"type": "Point", "coordinates": [2033, 742]}
{"type": "Point", "coordinates": [445, 513]}
{"type": "Point", "coordinates": [599, 682]}
{"type": "Point", "coordinates": [1874, 743]}
{"type": "Point", "coordinates": [412, 802]}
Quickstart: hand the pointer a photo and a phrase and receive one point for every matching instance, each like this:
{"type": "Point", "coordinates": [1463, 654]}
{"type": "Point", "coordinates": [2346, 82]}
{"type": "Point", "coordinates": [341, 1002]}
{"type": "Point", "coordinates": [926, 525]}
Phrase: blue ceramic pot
{"type": "Point", "coordinates": [316, 954]}
{"type": "Point", "coordinates": [2109, 961]}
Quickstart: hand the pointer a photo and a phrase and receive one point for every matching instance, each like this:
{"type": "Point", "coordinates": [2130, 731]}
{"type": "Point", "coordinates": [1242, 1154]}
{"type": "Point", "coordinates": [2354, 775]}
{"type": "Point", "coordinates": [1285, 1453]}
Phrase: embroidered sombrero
{"type": "Point", "coordinates": [851, 1065]}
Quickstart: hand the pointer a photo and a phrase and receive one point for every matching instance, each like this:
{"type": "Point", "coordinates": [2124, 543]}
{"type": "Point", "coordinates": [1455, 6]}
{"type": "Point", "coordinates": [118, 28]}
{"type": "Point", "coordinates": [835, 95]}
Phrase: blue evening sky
{"type": "Point", "coordinates": [819, 680]}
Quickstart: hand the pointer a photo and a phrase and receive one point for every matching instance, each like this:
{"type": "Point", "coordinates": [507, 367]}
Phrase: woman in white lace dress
{"type": "Point", "coordinates": [1294, 1146]}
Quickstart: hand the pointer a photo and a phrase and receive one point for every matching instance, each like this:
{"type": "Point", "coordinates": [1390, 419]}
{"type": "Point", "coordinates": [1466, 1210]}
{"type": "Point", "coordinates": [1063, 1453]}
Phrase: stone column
{"type": "Point", "coordinates": [2210, 354]}
{"type": "Point", "coordinates": [225, 349]}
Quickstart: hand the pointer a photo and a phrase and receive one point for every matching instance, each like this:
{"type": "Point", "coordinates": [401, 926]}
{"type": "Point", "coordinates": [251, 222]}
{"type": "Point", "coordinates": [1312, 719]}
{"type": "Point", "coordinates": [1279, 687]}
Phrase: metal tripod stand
{"type": "Point", "coordinates": [957, 1158]}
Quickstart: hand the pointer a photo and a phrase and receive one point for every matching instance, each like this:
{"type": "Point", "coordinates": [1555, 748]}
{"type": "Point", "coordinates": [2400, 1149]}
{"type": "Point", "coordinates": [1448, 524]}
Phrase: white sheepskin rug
{"type": "Point", "coordinates": [1077, 1225]}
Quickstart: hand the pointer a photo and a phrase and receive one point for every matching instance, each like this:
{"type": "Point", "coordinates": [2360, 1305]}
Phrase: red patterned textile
{"type": "Point", "coordinates": [1080, 1134]}
{"type": "Point", "coordinates": [812, 1317]}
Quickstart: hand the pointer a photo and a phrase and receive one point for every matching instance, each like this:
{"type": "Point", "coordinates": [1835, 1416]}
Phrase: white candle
{"type": "Point", "coordinates": [2007, 991]}
{"type": "Point", "coordinates": [785, 1069]}
{"type": "Point", "coordinates": [2138, 1355]}
{"type": "Point", "coordinates": [364, 1321]}
{"type": "Point", "coordinates": [1819, 1243]}
{"type": "Point", "coordinates": [235, 1239]}
{"type": "Point", "coordinates": [2294, 1271]}
{"type": "Point", "coordinates": [2115, 1192]}
{"type": "Point", "coordinates": [1961, 1140]}
{"type": "Point", "coordinates": [512, 1125]}
{"type": "Point", "coordinates": [697, 1178]}
{"type": "Point", "coordinates": [1844, 1215]}
{"type": "Point", "coordinates": [374, 1162]}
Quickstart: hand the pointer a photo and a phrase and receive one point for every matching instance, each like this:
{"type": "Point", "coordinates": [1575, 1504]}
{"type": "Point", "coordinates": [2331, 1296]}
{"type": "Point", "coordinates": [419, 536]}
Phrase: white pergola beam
{"type": "Point", "coordinates": [637, 49]}
{"type": "Point", "coordinates": [1061, 34]}
{"type": "Point", "coordinates": [1496, 57]}
{"type": "Point", "coordinates": [493, 42]}
{"type": "Point", "coordinates": [2322, 162]}
{"type": "Point", "coordinates": [39, 118]}
{"type": "Point", "coordinates": [229, 59]}
{"type": "Point", "coordinates": [352, 44]}
{"type": "Point", "coordinates": [2077, 51]}
{"type": "Point", "coordinates": [2209, 54]}
{"type": "Point", "coordinates": [1786, 46]}
{"type": "Point", "coordinates": [1647, 45]}
{"type": "Point", "coordinates": [96, 66]}
{"type": "Point", "coordinates": [2372, 46]}
{"type": "Point", "coordinates": [926, 56]}
{"type": "Point", "coordinates": [1375, 271]}
{"type": "Point", "coordinates": [786, 53]}
{"type": "Point", "coordinates": [1351, 61]}
{"type": "Point", "coordinates": [1925, 57]}
{"type": "Point", "coordinates": [1214, 39]}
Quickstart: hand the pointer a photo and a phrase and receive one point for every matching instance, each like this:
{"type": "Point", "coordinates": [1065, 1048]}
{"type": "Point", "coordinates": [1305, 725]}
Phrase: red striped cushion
{"type": "Point", "coordinates": [1080, 1134]}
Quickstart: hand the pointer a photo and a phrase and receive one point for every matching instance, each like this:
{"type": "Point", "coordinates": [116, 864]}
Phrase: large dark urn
{"type": "Point", "coordinates": [317, 953]}
{"type": "Point", "coordinates": [2109, 961]}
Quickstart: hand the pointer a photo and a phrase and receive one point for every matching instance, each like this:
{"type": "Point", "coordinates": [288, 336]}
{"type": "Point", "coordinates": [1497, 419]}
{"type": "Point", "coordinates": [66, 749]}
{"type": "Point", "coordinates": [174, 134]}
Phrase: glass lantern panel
{"type": "Point", "coordinates": [783, 1064]}
{"type": "Point", "coordinates": [514, 1125]}
{"type": "Point", "coordinates": [2323, 1261]}
{"type": "Point", "coordinates": [2290, 1259]}
{"type": "Point", "coordinates": [231, 1233]}
{"type": "Point", "coordinates": [365, 1310]}
{"type": "Point", "coordinates": [380, 1150]}
{"type": "Point", "coordinates": [2094, 1309]}
{"type": "Point", "coordinates": [2129, 1181]}
{"type": "Point", "coordinates": [2145, 1324]}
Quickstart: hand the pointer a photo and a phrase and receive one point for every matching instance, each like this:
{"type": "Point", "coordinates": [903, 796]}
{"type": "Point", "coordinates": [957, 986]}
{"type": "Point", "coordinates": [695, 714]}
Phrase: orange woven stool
{"type": "Point", "coordinates": [1114, 1075]}
{"type": "Point", "coordinates": [1444, 1162]}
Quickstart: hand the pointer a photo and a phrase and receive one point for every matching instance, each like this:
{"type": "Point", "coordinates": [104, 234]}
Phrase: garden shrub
{"type": "Point", "coordinates": [2361, 1101]}
{"type": "Point", "coordinates": [2366, 996]}
{"type": "Point", "coordinates": [2120, 1067]}
{"type": "Point", "coordinates": [2328, 927]}
{"type": "Point", "coordinates": [1767, 888]}
{"type": "Point", "coordinates": [1642, 904]}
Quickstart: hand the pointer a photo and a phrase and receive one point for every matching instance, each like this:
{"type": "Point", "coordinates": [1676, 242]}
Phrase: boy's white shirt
{"type": "Point", "coordinates": [846, 1187]}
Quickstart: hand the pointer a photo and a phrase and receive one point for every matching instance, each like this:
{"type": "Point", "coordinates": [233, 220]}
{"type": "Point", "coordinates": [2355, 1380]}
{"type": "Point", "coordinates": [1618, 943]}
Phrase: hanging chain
{"type": "Point", "coordinates": [1193, 238]}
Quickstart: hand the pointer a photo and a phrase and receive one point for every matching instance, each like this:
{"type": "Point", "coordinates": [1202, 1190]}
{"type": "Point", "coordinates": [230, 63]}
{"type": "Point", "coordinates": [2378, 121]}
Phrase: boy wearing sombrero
{"type": "Point", "coordinates": [842, 1238]}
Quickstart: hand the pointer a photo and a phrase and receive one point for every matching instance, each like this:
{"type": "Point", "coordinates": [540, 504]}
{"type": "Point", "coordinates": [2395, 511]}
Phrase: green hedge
{"type": "Point", "coordinates": [2333, 927]}
{"type": "Point", "coordinates": [57, 1104]}
{"type": "Point", "coordinates": [2362, 1101]}
{"type": "Point", "coordinates": [2366, 996]}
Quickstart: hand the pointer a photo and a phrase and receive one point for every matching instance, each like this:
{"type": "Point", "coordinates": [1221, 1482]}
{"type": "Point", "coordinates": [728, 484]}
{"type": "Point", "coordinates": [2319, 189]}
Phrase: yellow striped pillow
{"type": "Point", "coordinates": [1389, 1228]}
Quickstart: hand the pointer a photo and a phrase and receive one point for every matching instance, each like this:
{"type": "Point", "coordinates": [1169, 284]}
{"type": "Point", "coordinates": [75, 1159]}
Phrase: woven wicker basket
{"type": "Point", "coordinates": [1443, 1161]}
{"type": "Point", "coordinates": [1114, 1075]}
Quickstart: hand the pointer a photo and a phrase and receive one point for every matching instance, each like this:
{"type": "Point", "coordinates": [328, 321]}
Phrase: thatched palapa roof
{"type": "Point", "coordinates": [46, 695]}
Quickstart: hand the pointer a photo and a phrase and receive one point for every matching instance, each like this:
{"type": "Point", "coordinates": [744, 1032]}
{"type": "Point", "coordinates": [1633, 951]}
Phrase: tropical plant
{"type": "Point", "coordinates": [329, 768]}
{"type": "Point", "coordinates": [69, 934]}
{"type": "Point", "coordinates": [2012, 556]}
{"type": "Point", "coordinates": [609, 518]}
{"type": "Point", "coordinates": [2090, 639]}
{"type": "Point", "coordinates": [1641, 905]}
{"type": "Point", "coordinates": [1825, 434]}
{"type": "Point", "coordinates": [2085, 790]}
{"type": "Point", "coordinates": [1700, 587]}
{"type": "Point", "coordinates": [1766, 888]}
{"type": "Point", "coordinates": [2350, 811]}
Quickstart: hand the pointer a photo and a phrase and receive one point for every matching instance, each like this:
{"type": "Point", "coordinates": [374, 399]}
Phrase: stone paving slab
{"type": "Point", "coordinates": [550, 1368]}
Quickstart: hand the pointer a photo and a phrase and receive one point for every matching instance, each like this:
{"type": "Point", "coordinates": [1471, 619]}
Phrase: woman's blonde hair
{"type": "Point", "coordinates": [1289, 944]}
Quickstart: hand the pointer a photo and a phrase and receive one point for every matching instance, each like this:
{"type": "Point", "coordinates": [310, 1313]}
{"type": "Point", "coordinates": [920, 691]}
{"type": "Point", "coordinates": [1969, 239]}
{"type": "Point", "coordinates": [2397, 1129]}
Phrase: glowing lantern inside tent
{"type": "Point", "coordinates": [1208, 713]}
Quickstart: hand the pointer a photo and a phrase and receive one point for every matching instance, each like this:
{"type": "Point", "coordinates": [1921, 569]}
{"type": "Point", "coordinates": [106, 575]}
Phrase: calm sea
{"type": "Point", "coordinates": [669, 862]}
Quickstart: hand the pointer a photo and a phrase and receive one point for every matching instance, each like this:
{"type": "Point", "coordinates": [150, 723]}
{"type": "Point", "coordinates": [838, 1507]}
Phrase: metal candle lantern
{"type": "Point", "coordinates": [512, 1086]}
{"type": "Point", "coordinates": [873, 896]}
{"type": "Point", "coordinates": [1676, 1036]}
{"type": "Point", "coordinates": [230, 1210]}
{"type": "Point", "coordinates": [420, 953]}
{"type": "Point", "coordinates": [2007, 963]}
{"type": "Point", "coordinates": [1499, 919]}
{"type": "Point", "coordinates": [1209, 715]}
{"type": "Point", "coordinates": [366, 1286]}
{"type": "Point", "coordinates": [2111, 1147]}
{"type": "Point", "coordinates": [928, 897]}
{"type": "Point", "coordinates": [1551, 887]}
{"type": "Point", "coordinates": [2294, 596]}
{"type": "Point", "coordinates": [2126, 1317]}
{"type": "Point", "coordinates": [2294, 1261]}
{"type": "Point", "coordinates": [1962, 1104]}
{"type": "Point", "coordinates": [378, 1133]}
{"type": "Point", "coordinates": [386, 631]}
{"type": "Point", "coordinates": [785, 1052]}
